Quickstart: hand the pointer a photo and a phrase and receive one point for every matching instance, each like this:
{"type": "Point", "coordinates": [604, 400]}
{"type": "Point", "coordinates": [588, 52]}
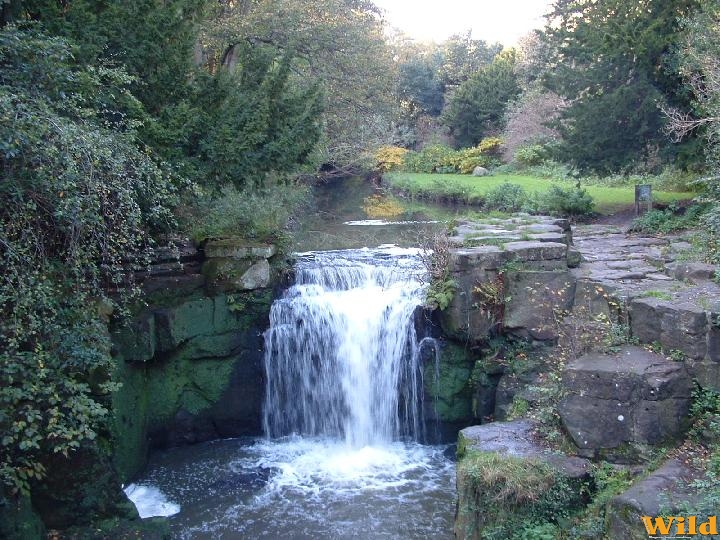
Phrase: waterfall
{"type": "Point", "coordinates": [341, 354]}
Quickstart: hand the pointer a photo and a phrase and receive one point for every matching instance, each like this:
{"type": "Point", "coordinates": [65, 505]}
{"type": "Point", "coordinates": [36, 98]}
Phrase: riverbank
{"type": "Point", "coordinates": [466, 189]}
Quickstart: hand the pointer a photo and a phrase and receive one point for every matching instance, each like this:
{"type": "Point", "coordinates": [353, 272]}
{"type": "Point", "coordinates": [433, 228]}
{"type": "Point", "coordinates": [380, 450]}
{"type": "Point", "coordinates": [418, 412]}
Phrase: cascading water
{"type": "Point", "coordinates": [343, 417]}
{"type": "Point", "coordinates": [341, 354]}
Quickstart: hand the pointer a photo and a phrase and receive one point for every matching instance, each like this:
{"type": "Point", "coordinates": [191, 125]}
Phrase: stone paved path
{"type": "Point", "coordinates": [634, 265]}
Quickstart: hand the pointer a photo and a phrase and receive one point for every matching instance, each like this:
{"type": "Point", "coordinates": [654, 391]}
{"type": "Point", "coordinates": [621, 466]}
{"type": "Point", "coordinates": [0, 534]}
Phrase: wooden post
{"type": "Point", "coordinates": [643, 194]}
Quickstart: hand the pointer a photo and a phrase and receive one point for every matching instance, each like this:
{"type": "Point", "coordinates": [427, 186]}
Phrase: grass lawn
{"type": "Point", "coordinates": [471, 189]}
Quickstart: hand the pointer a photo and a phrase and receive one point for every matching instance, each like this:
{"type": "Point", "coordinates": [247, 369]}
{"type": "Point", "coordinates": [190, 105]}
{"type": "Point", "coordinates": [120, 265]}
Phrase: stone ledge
{"type": "Point", "coordinates": [516, 438]}
{"type": "Point", "coordinates": [235, 248]}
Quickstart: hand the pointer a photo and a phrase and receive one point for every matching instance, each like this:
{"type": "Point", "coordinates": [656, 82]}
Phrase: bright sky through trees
{"type": "Point", "coordinates": [504, 21]}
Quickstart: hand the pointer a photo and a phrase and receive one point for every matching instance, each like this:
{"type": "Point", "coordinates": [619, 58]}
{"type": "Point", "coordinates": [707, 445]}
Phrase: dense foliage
{"type": "Point", "coordinates": [79, 198]}
{"type": "Point", "coordinates": [613, 60]}
{"type": "Point", "coordinates": [477, 108]}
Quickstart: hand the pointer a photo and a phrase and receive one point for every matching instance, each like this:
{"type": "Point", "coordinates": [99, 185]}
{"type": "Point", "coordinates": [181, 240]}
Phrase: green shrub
{"type": "Point", "coordinates": [537, 531]}
{"type": "Point", "coordinates": [507, 495]}
{"type": "Point", "coordinates": [440, 293]}
{"type": "Point", "coordinates": [79, 197]}
{"type": "Point", "coordinates": [553, 170]}
{"type": "Point", "coordinates": [467, 159]}
{"type": "Point", "coordinates": [711, 234]}
{"type": "Point", "coordinates": [444, 160]}
{"type": "Point", "coordinates": [506, 198]}
{"type": "Point", "coordinates": [530, 155]}
{"type": "Point", "coordinates": [668, 220]}
{"type": "Point", "coordinates": [705, 412]}
{"type": "Point", "coordinates": [254, 214]}
{"type": "Point", "coordinates": [570, 202]}
{"type": "Point", "coordinates": [430, 159]}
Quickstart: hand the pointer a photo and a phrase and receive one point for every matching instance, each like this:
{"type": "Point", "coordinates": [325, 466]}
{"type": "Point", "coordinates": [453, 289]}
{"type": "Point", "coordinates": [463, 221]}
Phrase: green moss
{"type": "Point", "coordinates": [202, 342]}
{"type": "Point", "coordinates": [451, 388]}
{"type": "Point", "coordinates": [662, 295]}
{"type": "Point", "coordinates": [519, 408]}
{"type": "Point", "coordinates": [18, 520]}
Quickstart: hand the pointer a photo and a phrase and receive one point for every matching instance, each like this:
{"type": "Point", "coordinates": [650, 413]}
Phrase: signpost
{"type": "Point", "coordinates": [643, 197]}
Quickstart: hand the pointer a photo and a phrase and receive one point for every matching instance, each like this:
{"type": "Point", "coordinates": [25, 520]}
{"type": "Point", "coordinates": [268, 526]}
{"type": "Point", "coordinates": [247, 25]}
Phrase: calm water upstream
{"type": "Point", "coordinates": [343, 457]}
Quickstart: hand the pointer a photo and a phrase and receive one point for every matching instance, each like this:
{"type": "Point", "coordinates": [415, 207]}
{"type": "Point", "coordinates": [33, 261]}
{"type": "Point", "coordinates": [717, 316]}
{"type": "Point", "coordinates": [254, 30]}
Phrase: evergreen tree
{"type": "Point", "coordinates": [477, 108]}
{"type": "Point", "coordinates": [613, 60]}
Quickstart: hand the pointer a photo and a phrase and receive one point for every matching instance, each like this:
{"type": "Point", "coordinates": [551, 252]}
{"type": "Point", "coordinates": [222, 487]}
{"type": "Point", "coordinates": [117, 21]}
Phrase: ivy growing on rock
{"type": "Point", "coordinates": [79, 197]}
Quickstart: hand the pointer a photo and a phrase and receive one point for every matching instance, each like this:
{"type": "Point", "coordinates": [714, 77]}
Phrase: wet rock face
{"type": "Point", "coordinates": [616, 401]}
{"type": "Point", "coordinates": [191, 364]}
{"type": "Point", "coordinates": [190, 373]}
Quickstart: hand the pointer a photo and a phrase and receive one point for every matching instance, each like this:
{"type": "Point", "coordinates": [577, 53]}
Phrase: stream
{"type": "Point", "coordinates": [345, 453]}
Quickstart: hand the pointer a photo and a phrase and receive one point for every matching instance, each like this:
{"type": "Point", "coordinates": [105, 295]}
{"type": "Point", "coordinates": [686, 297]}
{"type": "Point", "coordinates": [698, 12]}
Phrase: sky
{"type": "Point", "coordinates": [492, 20]}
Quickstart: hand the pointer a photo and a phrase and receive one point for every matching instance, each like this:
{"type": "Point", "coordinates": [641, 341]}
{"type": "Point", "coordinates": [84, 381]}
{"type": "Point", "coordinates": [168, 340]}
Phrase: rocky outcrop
{"type": "Point", "coordinates": [660, 492]}
{"type": "Point", "coordinates": [507, 478]}
{"type": "Point", "coordinates": [204, 380]}
{"type": "Point", "coordinates": [670, 303]}
{"type": "Point", "coordinates": [494, 264]}
{"type": "Point", "coordinates": [191, 363]}
{"type": "Point", "coordinates": [615, 402]}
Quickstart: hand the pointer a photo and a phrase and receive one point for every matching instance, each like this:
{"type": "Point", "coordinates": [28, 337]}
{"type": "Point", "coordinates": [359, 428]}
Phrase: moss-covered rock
{"type": "Point", "coordinates": [81, 489]}
{"type": "Point", "coordinates": [448, 384]}
{"type": "Point", "coordinates": [204, 381]}
{"type": "Point", "coordinates": [137, 338]}
{"type": "Point", "coordinates": [506, 481]}
{"type": "Point", "coordinates": [175, 325]}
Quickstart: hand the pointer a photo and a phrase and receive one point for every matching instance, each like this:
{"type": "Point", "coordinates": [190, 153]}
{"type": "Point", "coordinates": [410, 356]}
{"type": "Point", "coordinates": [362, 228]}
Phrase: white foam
{"type": "Point", "coordinates": [150, 501]}
{"type": "Point", "coordinates": [315, 465]}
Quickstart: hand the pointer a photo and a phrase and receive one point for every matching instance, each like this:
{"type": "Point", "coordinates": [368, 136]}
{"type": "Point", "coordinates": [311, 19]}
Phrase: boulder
{"type": "Point", "coordinates": [480, 171]}
{"type": "Point", "coordinates": [616, 402]}
{"type": "Point", "coordinates": [229, 274]}
{"type": "Point", "coordinates": [676, 326]}
{"type": "Point", "coordinates": [256, 277]}
{"type": "Point", "coordinates": [691, 270]}
{"type": "Point", "coordinates": [661, 490]}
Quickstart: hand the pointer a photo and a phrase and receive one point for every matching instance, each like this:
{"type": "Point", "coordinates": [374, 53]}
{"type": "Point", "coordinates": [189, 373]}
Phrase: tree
{"type": "Point", "coordinates": [216, 127]}
{"type": "Point", "coordinates": [462, 57]}
{"type": "Point", "coordinates": [527, 120]}
{"type": "Point", "coordinates": [337, 43]}
{"type": "Point", "coordinates": [419, 87]}
{"type": "Point", "coordinates": [700, 68]}
{"type": "Point", "coordinates": [611, 59]}
{"type": "Point", "coordinates": [477, 108]}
